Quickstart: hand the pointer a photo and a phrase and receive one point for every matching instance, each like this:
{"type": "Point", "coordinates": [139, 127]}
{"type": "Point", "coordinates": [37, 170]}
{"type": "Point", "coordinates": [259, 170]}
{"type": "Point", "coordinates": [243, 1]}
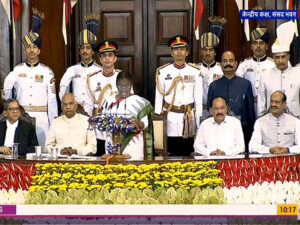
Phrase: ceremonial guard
{"type": "Point", "coordinates": [179, 90]}
{"type": "Point", "coordinates": [33, 83]}
{"type": "Point", "coordinates": [282, 77]}
{"type": "Point", "coordinates": [102, 85]}
{"type": "Point", "coordinates": [78, 73]}
{"type": "Point", "coordinates": [252, 68]}
{"type": "Point", "coordinates": [210, 69]}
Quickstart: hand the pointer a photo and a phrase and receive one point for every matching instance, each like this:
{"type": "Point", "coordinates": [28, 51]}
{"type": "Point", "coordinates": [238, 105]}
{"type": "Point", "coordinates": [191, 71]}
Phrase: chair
{"type": "Point", "coordinates": [160, 128]}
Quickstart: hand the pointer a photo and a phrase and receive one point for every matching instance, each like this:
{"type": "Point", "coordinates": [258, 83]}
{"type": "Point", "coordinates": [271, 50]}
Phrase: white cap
{"type": "Point", "coordinates": [285, 35]}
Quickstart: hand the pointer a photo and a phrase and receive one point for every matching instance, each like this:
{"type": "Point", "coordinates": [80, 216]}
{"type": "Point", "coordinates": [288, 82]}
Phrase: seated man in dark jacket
{"type": "Point", "coordinates": [15, 130]}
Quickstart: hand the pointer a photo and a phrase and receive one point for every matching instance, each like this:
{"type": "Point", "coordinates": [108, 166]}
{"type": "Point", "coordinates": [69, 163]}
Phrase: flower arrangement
{"type": "Point", "coordinates": [115, 125]}
{"type": "Point", "coordinates": [15, 176]}
{"type": "Point", "coordinates": [125, 196]}
{"type": "Point", "coordinates": [111, 123]}
{"type": "Point", "coordinates": [12, 197]}
{"type": "Point", "coordinates": [245, 172]}
{"type": "Point", "coordinates": [61, 177]}
{"type": "Point", "coordinates": [287, 192]}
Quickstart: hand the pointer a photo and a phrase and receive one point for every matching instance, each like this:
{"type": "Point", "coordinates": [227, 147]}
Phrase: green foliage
{"type": "Point", "coordinates": [160, 195]}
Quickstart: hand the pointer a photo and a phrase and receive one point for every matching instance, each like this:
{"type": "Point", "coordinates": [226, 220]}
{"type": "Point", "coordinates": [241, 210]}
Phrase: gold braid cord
{"type": "Point", "coordinates": [174, 85]}
{"type": "Point", "coordinates": [101, 96]}
{"type": "Point", "coordinates": [89, 85]}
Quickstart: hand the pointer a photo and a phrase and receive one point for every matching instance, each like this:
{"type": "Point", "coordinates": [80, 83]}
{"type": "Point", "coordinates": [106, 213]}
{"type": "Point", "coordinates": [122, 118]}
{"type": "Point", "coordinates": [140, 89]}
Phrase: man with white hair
{"type": "Point", "coordinates": [282, 77]}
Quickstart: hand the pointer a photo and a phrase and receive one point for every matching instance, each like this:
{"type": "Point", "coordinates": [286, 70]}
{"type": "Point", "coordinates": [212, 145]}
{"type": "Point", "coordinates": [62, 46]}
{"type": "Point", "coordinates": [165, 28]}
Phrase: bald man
{"type": "Point", "coordinates": [277, 132]}
{"type": "Point", "coordinates": [237, 92]}
{"type": "Point", "coordinates": [71, 132]}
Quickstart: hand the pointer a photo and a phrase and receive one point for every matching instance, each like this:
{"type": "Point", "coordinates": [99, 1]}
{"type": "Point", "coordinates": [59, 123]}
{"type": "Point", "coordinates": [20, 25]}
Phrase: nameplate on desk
{"type": "Point", "coordinates": [269, 155]}
{"type": "Point", "coordinates": [219, 157]}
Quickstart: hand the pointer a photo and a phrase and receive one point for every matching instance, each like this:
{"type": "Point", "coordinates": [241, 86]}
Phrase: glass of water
{"type": "Point", "coordinates": [38, 152]}
{"type": "Point", "coordinates": [15, 150]}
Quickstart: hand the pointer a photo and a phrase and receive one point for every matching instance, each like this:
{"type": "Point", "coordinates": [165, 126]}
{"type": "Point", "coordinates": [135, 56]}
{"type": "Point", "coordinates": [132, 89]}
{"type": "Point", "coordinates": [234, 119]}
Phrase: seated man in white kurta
{"type": "Point", "coordinates": [71, 132]}
{"type": "Point", "coordinates": [133, 106]}
{"type": "Point", "coordinates": [276, 132]}
{"type": "Point", "coordinates": [220, 134]}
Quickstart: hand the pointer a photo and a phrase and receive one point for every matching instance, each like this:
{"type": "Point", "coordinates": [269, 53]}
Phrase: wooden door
{"type": "Point", "coordinates": [166, 19]}
{"type": "Point", "coordinates": [120, 21]}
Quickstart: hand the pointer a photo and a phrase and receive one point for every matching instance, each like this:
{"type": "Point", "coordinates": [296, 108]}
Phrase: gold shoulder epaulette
{"type": "Point", "coordinates": [163, 66]}
{"type": "Point", "coordinates": [92, 74]}
{"type": "Point", "coordinates": [194, 65]}
{"type": "Point", "coordinates": [118, 70]}
{"type": "Point", "coordinates": [271, 59]}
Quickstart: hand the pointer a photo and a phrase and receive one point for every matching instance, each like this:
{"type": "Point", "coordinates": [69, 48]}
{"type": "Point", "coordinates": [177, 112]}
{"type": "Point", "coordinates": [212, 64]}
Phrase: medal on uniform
{"type": "Point", "coordinates": [39, 78]}
{"type": "Point", "coordinates": [98, 88]}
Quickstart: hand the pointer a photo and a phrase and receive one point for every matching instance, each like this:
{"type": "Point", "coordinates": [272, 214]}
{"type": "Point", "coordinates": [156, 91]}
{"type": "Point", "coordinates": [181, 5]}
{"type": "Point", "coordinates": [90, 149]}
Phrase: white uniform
{"type": "Point", "coordinates": [74, 132]}
{"type": "Point", "coordinates": [287, 81]}
{"type": "Point", "coordinates": [210, 73]}
{"type": "Point", "coordinates": [252, 68]}
{"type": "Point", "coordinates": [191, 93]}
{"type": "Point", "coordinates": [97, 82]}
{"type": "Point", "coordinates": [226, 136]}
{"type": "Point", "coordinates": [78, 75]}
{"type": "Point", "coordinates": [270, 131]}
{"type": "Point", "coordinates": [35, 91]}
{"type": "Point", "coordinates": [131, 106]}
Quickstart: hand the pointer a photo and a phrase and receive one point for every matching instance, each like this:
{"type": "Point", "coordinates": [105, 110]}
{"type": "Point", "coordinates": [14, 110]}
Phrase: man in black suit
{"type": "Point", "coordinates": [16, 130]}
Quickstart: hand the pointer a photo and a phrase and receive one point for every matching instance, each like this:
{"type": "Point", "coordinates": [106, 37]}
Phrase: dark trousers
{"type": "Point", "coordinates": [178, 146]}
{"type": "Point", "coordinates": [247, 131]}
{"type": "Point", "coordinates": [100, 147]}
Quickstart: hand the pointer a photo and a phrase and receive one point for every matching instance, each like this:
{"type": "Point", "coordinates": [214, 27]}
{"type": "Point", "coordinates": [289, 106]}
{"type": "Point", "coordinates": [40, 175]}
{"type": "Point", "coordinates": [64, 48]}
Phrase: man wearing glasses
{"type": "Point", "coordinates": [15, 130]}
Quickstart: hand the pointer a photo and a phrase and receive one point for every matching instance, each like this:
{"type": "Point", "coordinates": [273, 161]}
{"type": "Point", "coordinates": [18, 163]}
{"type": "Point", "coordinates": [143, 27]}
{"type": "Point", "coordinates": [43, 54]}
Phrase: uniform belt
{"type": "Point", "coordinates": [35, 108]}
{"type": "Point", "coordinates": [255, 99]}
{"type": "Point", "coordinates": [204, 107]}
{"type": "Point", "coordinates": [179, 109]}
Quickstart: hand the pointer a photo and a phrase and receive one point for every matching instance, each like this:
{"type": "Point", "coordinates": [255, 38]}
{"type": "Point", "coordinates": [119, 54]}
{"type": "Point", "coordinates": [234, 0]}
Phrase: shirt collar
{"type": "Point", "coordinates": [90, 63]}
{"type": "Point", "coordinates": [109, 74]}
{"type": "Point", "coordinates": [281, 117]}
{"type": "Point", "coordinates": [32, 64]}
{"type": "Point", "coordinates": [260, 59]}
{"type": "Point", "coordinates": [179, 67]}
{"type": "Point", "coordinates": [209, 65]}
{"type": "Point", "coordinates": [224, 121]}
{"type": "Point", "coordinates": [70, 119]}
{"type": "Point", "coordinates": [14, 125]}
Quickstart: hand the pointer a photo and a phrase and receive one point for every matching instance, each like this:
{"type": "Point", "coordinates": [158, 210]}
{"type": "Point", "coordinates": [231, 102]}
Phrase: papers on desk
{"type": "Point", "coordinates": [219, 157]}
{"type": "Point", "coordinates": [82, 157]}
{"type": "Point", "coordinates": [47, 156]}
{"type": "Point", "coordinates": [269, 155]}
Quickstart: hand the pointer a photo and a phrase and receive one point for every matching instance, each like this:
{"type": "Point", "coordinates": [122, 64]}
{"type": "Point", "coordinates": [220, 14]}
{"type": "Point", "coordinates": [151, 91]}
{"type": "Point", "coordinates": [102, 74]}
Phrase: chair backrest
{"type": "Point", "coordinates": [26, 117]}
{"type": "Point", "coordinates": [160, 128]}
{"type": "Point", "coordinates": [81, 110]}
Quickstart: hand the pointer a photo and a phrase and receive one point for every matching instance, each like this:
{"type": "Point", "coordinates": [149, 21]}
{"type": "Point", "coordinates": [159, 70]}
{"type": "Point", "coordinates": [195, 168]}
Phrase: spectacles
{"type": "Point", "coordinates": [15, 109]}
{"type": "Point", "coordinates": [124, 87]}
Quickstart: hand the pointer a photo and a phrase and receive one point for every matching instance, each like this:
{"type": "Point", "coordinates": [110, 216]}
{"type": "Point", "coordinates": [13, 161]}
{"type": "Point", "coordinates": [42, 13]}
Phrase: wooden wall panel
{"type": "Point", "coordinates": [118, 27]}
{"type": "Point", "coordinates": [170, 24]}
